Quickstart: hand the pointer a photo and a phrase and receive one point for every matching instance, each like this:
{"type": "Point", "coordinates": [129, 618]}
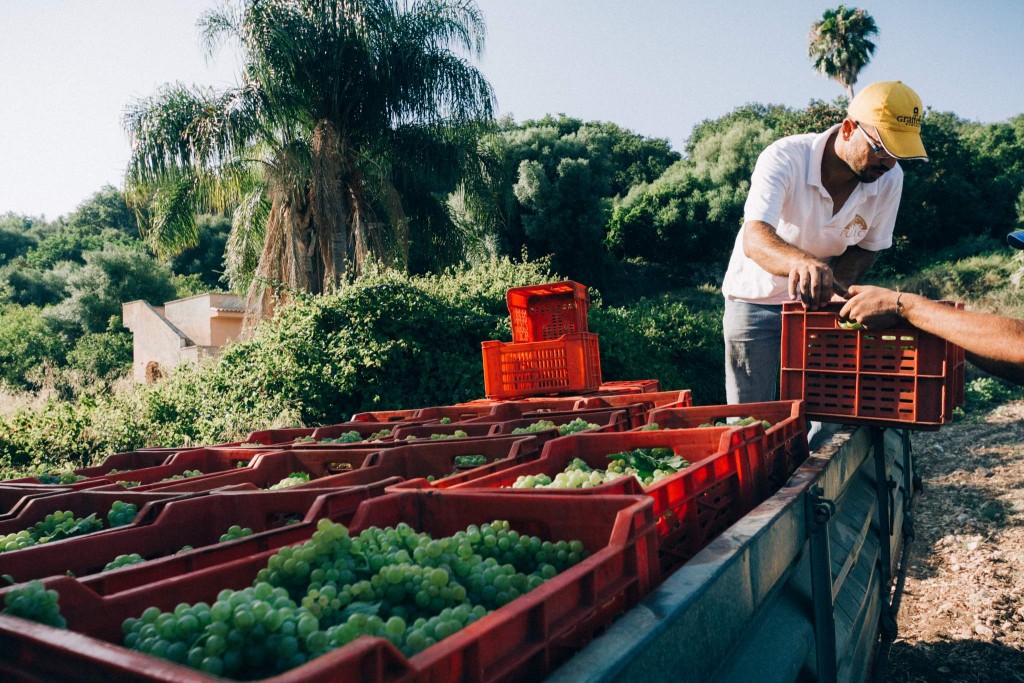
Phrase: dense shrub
{"type": "Point", "coordinates": [385, 341]}
{"type": "Point", "coordinates": [26, 341]}
{"type": "Point", "coordinates": [665, 340]}
{"type": "Point", "coordinates": [103, 355]}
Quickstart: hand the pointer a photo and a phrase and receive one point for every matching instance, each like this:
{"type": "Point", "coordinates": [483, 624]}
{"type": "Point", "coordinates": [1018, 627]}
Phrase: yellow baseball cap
{"type": "Point", "coordinates": [895, 111]}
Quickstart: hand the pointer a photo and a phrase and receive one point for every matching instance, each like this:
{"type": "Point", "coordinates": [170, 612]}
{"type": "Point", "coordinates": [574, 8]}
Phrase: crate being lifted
{"type": "Point", "coordinates": [552, 351]}
{"type": "Point", "coordinates": [901, 377]}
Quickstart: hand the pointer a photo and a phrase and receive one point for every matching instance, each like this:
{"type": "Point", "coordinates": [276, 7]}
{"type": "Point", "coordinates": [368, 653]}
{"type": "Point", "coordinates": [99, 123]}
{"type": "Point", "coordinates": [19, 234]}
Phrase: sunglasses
{"type": "Point", "coordinates": [875, 145]}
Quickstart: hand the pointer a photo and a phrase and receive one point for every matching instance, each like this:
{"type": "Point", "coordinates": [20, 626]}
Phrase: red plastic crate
{"type": "Point", "coordinates": [278, 436]}
{"type": "Point", "coordinates": [546, 312]}
{"type": "Point", "coordinates": [472, 429]}
{"type": "Point", "coordinates": [196, 521]}
{"type": "Point", "coordinates": [522, 640]}
{"type": "Point", "coordinates": [571, 363]}
{"type": "Point", "coordinates": [270, 467]}
{"type": "Point", "coordinates": [691, 507]}
{"type": "Point", "coordinates": [681, 398]}
{"type": "Point", "coordinates": [901, 377]}
{"type": "Point", "coordinates": [133, 460]}
{"type": "Point", "coordinates": [364, 429]}
{"type": "Point", "coordinates": [210, 461]}
{"type": "Point", "coordinates": [12, 495]}
{"type": "Point", "coordinates": [334, 468]}
{"type": "Point", "coordinates": [120, 461]}
{"type": "Point", "coordinates": [554, 411]}
{"type": "Point", "coordinates": [606, 420]}
{"type": "Point", "coordinates": [420, 459]}
{"type": "Point", "coordinates": [785, 442]}
{"type": "Point", "coordinates": [30, 511]}
{"type": "Point", "coordinates": [633, 386]}
{"type": "Point", "coordinates": [535, 403]}
{"type": "Point", "coordinates": [456, 413]}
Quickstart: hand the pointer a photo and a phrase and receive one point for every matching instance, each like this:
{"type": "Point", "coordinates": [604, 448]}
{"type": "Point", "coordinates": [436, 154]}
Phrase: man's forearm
{"type": "Point", "coordinates": [852, 264]}
{"type": "Point", "coordinates": [998, 339]}
{"type": "Point", "coordinates": [764, 247]}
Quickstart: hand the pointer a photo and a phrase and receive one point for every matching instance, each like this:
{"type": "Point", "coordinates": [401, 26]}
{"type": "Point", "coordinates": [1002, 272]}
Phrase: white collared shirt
{"type": "Point", "coordinates": [786, 192]}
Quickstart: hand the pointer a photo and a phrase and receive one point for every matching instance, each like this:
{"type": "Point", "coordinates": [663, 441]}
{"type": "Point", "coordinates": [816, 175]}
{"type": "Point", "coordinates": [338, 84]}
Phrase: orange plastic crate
{"type": "Point", "coordinates": [195, 521]}
{"type": "Point", "coordinates": [691, 507]}
{"type": "Point", "coordinates": [521, 641]}
{"type": "Point", "coordinates": [785, 442]}
{"type": "Point", "coordinates": [634, 386]}
{"type": "Point", "coordinates": [546, 312]}
{"type": "Point", "coordinates": [571, 363]}
{"type": "Point", "coordinates": [640, 404]}
{"type": "Point", "coordinates": [902, 377]}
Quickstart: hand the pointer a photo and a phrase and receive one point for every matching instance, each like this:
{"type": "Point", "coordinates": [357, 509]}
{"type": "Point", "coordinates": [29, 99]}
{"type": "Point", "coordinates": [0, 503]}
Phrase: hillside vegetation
{"type": "Point", "coordinates": [648, 228]}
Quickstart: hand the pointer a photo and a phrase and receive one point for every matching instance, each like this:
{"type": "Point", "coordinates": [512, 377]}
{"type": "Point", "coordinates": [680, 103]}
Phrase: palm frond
{"type": "Point", "coordinates": [246, 239]}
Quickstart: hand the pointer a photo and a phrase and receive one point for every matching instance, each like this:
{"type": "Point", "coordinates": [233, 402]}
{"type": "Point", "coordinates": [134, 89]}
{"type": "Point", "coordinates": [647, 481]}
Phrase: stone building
{"type": "Point", "coordinates": [181, 331]}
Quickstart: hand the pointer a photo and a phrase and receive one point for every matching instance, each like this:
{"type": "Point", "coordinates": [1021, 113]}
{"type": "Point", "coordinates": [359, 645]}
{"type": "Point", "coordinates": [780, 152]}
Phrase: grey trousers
{"type": "Point", "coordinates": [753, 340]}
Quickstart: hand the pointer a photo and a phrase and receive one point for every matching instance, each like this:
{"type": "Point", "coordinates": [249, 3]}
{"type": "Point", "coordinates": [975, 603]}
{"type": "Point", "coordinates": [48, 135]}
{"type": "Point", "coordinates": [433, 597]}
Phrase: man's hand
{"type": "Point", "coordinates": [873, 307]}
{"type": "Point", "coordinates": [813, 283]}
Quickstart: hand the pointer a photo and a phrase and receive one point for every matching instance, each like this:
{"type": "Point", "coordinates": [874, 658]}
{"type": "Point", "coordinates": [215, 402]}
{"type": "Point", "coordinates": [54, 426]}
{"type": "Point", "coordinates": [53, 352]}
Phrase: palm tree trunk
{"type": "Point", "coordinates": [327, 200]}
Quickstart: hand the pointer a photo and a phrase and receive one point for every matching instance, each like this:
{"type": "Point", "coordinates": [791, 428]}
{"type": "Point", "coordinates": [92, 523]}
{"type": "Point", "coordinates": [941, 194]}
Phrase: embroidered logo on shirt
{"type": "Point", "coordinates": [856, 228]}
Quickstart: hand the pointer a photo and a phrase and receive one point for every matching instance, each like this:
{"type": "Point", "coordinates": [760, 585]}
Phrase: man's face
{"type": "Point", "coordinates": [869, 161]}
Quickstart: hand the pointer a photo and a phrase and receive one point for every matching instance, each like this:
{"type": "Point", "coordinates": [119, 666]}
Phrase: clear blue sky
{"type": "Point", "coordinates": [68, 68]}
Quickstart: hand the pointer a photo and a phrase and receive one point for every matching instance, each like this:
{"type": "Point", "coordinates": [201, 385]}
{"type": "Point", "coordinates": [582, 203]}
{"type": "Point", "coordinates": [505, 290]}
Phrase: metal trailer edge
{"type": "Point", "coordinates": [800, 589]}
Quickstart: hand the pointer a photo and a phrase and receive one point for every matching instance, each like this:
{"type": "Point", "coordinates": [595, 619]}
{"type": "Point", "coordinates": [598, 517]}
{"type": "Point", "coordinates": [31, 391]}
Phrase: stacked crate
{"type": "Point", "coordinates": [552, 351]}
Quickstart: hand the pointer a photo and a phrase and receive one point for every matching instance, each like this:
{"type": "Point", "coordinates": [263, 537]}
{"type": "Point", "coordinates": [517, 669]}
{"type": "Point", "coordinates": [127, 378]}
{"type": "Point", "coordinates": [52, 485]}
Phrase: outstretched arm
{"type": "Point", "coordinates": [994, 343]}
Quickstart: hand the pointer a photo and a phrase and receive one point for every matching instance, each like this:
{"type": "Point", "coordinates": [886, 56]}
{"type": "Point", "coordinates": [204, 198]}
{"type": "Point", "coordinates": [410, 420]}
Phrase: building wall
{"type": "Point", "coordinates": [225, 326]}
{"type": "Point", "coordinates": [181, 331]}
{"type": "Point", "coordinates": [193, 316]}
{"type": "Point", "coordinates": [155, 340]}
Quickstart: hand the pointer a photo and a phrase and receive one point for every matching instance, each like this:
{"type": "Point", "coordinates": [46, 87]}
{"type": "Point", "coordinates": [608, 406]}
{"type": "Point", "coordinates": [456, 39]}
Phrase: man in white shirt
{"type": "Point", "coordinates": [820, 208]}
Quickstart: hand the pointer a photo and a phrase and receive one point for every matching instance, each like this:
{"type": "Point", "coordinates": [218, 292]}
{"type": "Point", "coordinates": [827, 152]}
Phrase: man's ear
{"type": "Point", "coordinates": [847, 129]}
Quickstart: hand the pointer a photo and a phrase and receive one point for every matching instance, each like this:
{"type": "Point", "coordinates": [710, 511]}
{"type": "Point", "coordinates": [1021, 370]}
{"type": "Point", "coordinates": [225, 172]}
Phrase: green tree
{"type": "Point", "coordinates": [14, 243]}
{"type": "Point", "coordinates": [102, 219]}
{"type": "Point", "coordinates": [547, 186]}
{"type": "Point", "coordinates": [28, 286]}
{"type": "Point", "coordinates": [342, 106]}
{"type": "Point", "coordinates": [205, 260]}
{"type": "Point", "coordinates": [109, 278]}
{"type": "Point", "coordinates": [839, 44]}
{"type": "Point", "coordinates": [688, 216]}
{"type": "Point", "coordinates": [26, 341]}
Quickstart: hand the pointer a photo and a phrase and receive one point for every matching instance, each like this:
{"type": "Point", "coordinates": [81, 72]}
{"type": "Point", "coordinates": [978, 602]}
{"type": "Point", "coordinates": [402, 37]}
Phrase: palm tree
{"type": "Point", "coordinates": [347, 111]}
{"type": "Point", "coordinates": [839, 44]}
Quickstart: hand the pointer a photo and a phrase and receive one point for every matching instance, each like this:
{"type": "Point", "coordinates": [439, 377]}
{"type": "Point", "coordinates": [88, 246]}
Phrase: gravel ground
{"type": "Point", "coordinates": [962, 615]}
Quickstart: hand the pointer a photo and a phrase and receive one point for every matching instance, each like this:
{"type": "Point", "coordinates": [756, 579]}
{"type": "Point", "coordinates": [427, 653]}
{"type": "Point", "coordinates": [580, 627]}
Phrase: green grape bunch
{"type": "Point", "coordinates": [235, 532]}
{"type": "Point", "coordinates": [744, 422]}
{"type": "Point", "coordinates": [34, 602]}
{"type": "Point", "coordinates": [457, 434]}
{"type": "Point", "coordinates": [122, 513]}
{"type": "Point", "coordinates": [577, 425]}
{"type": "Point", "coordinates": [293, 479]}
{"type": "Point", "coordinates": [648, 465]}
{"type": "Point", "coordinates": [123, 561]}
{"type": "Point", "coordinates": [394, 583]}
{"type": "Point", "coordinates": [64, 477]}
{"type": "Point", "coordinates": [462, 463]}
{"type": "Point", "coordinates": [54, 527]}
